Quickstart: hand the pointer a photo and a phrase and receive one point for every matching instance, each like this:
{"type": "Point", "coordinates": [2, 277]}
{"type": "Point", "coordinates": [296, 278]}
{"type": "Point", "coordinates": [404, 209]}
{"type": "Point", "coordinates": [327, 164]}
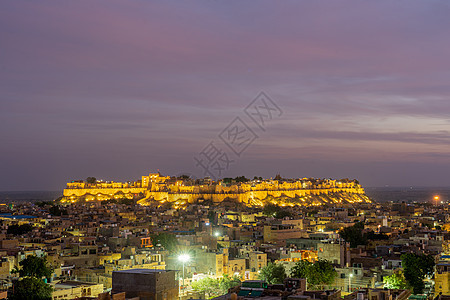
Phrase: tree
{"type": "Point", "coordinates": [43, 203]}
{"type": "Point", "coordinates": [215, 287]}
{"type": "Point", "coordinates": [317, 274]}
{"type": "Point", "coordinates": [270, 209]}
{"type": "Point", "coordinates": [91, 180]}
{"type": "Point", "coordinates": [241, 179]}
{"type": "Point", "coordinates": [324, 272]}
{"type": "Point", "coordinates": [228, 282]}
{"type": "Point", "coordinates": [167, 240]}
{"type": "Point", "coordinates": [395, 281]}
{"type": "Point", "coordinates": [19, 229]}
{"type": "Point", "coordinates": [31, 288]}
{"type": "Point", "coordinates": [372, 236]}
{"type": "Point", "coordinates": [125, 201]}
{"type": "Point", "coordinates": [212, 217]}
{"type": "Point", "coordinates": [273, 273]}
{"type": "Point", "coordinates": [300, 269]}
{"type": "Point", "coordinates": [207, 285]}
{"type": "Point", "coordinates": [31, 284]}
{"type": "Point", "coordinates": [283, 213]}
{"type": "Point", "coordinates": [227, 180]}
{"type": "Point", "coordinates": [55, 210]}
{"type": "Point", "coordinates": [276, 211]}
{"type": "Point", "coordinates": [34, 266]}
{"type": "Point", "coordinates": [415, 267]}
{"type": "Point", "coordinates": [354, 235]}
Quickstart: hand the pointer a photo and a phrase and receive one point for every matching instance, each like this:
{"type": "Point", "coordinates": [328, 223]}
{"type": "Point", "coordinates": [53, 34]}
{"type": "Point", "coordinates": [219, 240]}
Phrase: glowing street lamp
{"type": "Point", "coordinates": [216, 234]}
{"type": "Point", "coordinates": [350, 283]}
{"type": "Point", "coordinates": [184, 258]}
{"type": "Point", "coordinates": [436, 198]}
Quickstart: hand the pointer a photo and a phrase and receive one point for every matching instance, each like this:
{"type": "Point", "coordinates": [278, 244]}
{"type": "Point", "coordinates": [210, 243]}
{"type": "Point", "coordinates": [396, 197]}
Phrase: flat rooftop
{"type": "Point", "coordinates": [71, 284]}
{"type": "Point", "coordinates": [142, 271]}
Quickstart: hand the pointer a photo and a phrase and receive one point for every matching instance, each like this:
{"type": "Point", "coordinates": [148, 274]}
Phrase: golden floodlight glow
{"type": "Point", "coordinates": [436, 197]}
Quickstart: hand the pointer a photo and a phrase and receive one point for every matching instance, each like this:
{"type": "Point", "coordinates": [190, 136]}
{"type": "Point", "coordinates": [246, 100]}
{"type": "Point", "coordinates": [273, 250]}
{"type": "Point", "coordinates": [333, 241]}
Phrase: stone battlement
{"type": "Point", "coordinates": [183, 191]}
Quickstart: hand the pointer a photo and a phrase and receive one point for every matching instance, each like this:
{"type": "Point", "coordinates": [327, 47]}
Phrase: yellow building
{"type": "Point", "coordinates": [6, 265]}
{"type": "Point", "coordinates": [236, 267]}
{"type": "Point", "coordinates": [213, 262]}
{"type": "Point", "coordinates": [442, 279]}
{"type": "Point", "coordinates": [257, 260]}
{"type": "Point", "coordinates": [279, 233]}
{"type": "Point", "coordinates": [75, 289]}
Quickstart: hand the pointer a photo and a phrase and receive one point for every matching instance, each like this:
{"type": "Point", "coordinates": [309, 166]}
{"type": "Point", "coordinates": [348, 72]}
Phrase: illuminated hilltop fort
{"type": "Point", "coordinates": [183, 190]}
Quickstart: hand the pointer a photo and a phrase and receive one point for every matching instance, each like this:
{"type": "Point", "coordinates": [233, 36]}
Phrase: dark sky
{"type": "Point", "coordinates": [118, 89]}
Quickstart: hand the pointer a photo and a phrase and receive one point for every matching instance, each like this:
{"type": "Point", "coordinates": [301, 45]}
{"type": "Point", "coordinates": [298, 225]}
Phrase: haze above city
{"type": "Point", "coordinates": [116, 89]}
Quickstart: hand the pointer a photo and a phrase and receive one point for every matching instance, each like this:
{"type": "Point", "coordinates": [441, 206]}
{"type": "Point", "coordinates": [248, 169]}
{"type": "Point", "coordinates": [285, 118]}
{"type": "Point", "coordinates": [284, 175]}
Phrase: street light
{"type": "Point", "coordinates": [184, 258]}
{"type": "Point", "coordinates": [437, 199]}
{"type": "Point", "coordinates": [350, 283]}
{"type": "Point", "coordinates": [216, 234]}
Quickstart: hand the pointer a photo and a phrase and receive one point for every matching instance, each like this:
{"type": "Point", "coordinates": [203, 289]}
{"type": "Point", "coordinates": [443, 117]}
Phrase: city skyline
{"type": "Point", "coordinates": [116, 90]}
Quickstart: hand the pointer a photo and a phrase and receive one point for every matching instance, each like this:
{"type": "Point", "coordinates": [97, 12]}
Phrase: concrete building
{"type": "Point", "coordinates": [442, 278]}
{"type": "Point", "coordinates": [212, 262]}
{"type": "Point", "coordinates": [279, 233]}
{"type": "Point", "coordinates": [148, 284]}
{"type": "Point", "coordinates": [337, 253]}
{"type": "Point", "coordinates": [75, 289]}
{"type": "Point", "coordinates": [237, 267]}
{"type": "Point", "coordinates": [257, 260]}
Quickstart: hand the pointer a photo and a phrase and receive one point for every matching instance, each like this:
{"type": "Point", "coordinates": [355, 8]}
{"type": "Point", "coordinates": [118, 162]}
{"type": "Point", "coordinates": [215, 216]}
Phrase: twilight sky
{"type": "Point", "coordinates": [118, 89]}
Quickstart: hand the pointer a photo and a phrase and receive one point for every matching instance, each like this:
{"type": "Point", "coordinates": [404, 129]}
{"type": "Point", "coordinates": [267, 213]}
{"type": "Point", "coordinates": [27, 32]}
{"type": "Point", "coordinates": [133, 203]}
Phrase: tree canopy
{"type": "Point", "coordinates": [227, 282]}
{"type": "Point", "coordinates": [212, 217]}
{"type": "Point", "coordinates": [395, 281]}
{"type": "Point", "coordinates": [415, 267]}
{"type": "Point", "coordinates": [229, 180]}
{"type": "Point", "coordinates": [167, 240]}
{"type": "Point", "coordinates": [91, 180]}
{"type": "Point", "coordinates": [273, 273]}
{"type": "Point", "coordinates": [43, 203]}
{"type": "Point", "coordinates": [317, 274]}
{"type": "Point", "coordinates": [34, 266]}
{"type": "Point", "coordinates": [215, 287]}
{"type": "Point", "coordinates": [55, 210]}
{"type": "Point", "coordinates": [16, 229]}
{"type": "Point", "coordinates": [31, 288]}
{"type": "Point", "coordinates": [31, 284]}
{"type": "Point", "coordinates": [355, 235]}
{"type": "Point", "coordinates": [276, 211]}
{"type": "Point", "coordinates": [207, 285]}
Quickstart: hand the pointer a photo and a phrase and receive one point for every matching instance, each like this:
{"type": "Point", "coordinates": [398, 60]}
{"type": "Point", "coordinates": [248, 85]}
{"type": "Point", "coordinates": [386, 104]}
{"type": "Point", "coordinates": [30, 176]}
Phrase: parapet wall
{"type": "Point", "coordinates": [161, 189]}
{"type": "Point", "coordinates": [111, 191]}
{"type": "Point", "coordinates": [249, 197]}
